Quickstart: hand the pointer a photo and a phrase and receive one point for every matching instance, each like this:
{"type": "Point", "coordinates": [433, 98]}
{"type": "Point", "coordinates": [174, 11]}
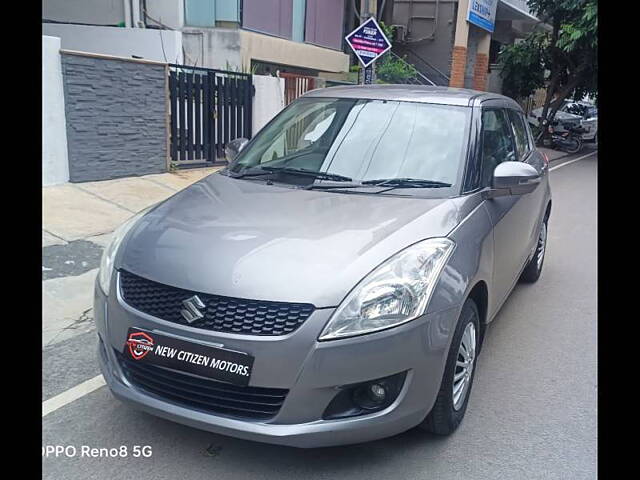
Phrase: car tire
{"type": "Point", "coordinates": [532, 271]}
{"type": "Point", "coordinates": [449, 409]}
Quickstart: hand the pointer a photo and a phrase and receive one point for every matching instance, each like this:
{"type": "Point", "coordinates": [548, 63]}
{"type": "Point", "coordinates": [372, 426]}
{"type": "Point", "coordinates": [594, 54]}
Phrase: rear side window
{"type": "Point", "coordinates": [520, 134]}
{"type": "Point", "coordinates": [497, 142]}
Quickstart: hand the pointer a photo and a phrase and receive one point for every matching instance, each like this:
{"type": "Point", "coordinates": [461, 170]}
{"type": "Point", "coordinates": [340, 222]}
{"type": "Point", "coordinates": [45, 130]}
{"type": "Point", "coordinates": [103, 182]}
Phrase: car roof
{"type": "Point", "coordinates": [414, 93]}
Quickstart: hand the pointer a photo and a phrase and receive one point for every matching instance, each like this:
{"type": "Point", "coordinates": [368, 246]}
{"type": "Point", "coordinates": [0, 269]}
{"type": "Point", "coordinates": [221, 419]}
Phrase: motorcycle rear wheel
{"type": "Point", "coordinates": [572, 145]}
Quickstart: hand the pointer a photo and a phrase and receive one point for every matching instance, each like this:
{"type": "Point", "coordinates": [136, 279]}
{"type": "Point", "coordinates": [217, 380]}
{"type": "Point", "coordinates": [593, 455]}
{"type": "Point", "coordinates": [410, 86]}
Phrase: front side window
{"type": "Point", "coordinates": [364, 140]}
{"type": "Point", "coordinates": [520, 134]}
{"type": "Point", "coordinates": [497, 142]}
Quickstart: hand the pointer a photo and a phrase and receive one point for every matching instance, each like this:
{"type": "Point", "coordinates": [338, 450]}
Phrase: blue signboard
{"type": "Point", "coordinates": [368, 42]}
{"type": "Point", "coordinates": [483, 13]}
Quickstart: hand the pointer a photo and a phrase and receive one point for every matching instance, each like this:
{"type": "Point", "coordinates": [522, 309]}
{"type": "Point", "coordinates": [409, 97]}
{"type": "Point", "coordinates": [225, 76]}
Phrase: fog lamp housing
{"type": "Point", "coordinates": [365, 397]}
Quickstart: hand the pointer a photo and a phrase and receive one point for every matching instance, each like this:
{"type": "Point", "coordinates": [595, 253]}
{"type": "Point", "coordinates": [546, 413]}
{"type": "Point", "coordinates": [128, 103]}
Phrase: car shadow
{"type": "Point", "coordinates": [275, 460]}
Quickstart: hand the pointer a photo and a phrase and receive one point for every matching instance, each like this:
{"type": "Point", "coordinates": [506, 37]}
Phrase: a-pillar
{"type": "Point", "coordinates": [481, 67]}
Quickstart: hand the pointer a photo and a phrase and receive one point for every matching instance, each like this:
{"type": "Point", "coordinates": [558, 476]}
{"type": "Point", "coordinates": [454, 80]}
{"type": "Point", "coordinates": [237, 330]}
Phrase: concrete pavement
{"type": "Point", "coordinates": [77, 222]}
{"type": "Point", "coordinates": [76, 211]}
{"type": "Point", "coordinates": [532, 412]}
{"type": "Point", "coordinates": [553, 155]}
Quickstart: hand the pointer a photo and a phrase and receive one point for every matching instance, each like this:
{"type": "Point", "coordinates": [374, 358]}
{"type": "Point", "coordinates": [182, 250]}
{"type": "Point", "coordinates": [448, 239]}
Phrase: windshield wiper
{"type": "Point", "coordinates": [309, 173]}
{"type": "Point", "coordinates": [267, 170]}
{"type": "Point", "coordinates": [323, 186]}
{"type": "Point", "coordinates": [250, 173]}
{"type": "Point", "coordinates": [406, 183]}
{"type": "Point", "coordinates": [385, 184]}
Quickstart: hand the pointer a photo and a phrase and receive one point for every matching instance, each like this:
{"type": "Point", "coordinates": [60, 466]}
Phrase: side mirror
{"type": "Point", "coordinates": [513, 178]}
{"type": "Point", "coordinates": [233, 148]}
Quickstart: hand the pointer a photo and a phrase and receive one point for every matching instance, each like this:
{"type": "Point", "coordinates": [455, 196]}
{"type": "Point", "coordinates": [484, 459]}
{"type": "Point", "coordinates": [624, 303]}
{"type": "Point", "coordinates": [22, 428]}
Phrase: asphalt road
{"type": "Point", "coordinates": [532, 412]}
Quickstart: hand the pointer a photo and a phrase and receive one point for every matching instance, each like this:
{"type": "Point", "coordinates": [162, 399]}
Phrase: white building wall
{"type": "Point", "coordinates": [212, 48]}
{"type": "Point", "coordinates": [150, 44]}
{"type": "Point", "coordinates": [268, 100]}
{"type": "Point", "coordinates": [55, 163]}
{"type": "Point", "coordinates": [169, 13]}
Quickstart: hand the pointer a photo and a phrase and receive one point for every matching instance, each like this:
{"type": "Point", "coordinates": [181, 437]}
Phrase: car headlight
{"type": "Point", "coordinates": [109, 254]}
{"type": "Point", "coordinates": [394, 293]}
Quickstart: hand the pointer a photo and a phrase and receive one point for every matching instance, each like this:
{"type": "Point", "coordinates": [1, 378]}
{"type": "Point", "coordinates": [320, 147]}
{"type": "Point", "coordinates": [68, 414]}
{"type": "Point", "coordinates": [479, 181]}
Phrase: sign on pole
{"type": "Point", "coordinates": [368, 42]}
{"type": "Point", "coordinates": [483, 13]}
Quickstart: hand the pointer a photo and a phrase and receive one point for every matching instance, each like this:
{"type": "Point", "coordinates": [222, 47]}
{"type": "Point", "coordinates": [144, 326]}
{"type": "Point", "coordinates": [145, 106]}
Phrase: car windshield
{"type": "Point", "coordinates": [362, 140]}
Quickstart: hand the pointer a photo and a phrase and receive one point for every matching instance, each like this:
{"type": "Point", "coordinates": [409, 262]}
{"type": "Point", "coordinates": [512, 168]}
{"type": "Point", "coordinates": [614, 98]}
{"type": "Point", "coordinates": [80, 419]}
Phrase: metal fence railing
{"type": "Point", "coordinates": [208, 109]}
{"type": "Point", "coordinates": [296, 85]}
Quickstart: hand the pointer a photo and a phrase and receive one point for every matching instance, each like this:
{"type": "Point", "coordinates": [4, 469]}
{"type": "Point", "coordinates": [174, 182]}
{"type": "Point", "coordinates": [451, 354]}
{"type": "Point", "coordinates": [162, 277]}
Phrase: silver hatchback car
{"type": "Point", "coordinates": [333, 284]}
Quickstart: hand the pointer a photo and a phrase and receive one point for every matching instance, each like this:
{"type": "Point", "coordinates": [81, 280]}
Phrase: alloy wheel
{"type": "Point", "coordinates": [463, 372]}
{"type": "Point", "coordinates": [542, 245]}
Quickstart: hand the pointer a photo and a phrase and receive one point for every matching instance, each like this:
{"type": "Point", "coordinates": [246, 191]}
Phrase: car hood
{"type": "Point", "coordinates": [246, 239]}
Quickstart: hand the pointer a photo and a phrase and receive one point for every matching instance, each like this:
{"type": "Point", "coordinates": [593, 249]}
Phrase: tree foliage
{"type": "Point", "coordinates": [389, 68]}
{"type": "Point", "coordinates": [523, 66]}
{"type": "Point", "coordinates": [562, 58]}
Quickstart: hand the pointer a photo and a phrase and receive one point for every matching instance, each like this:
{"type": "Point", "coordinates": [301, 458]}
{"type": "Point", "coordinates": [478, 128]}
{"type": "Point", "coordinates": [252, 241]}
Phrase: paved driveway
{"type": "Point", "coordinates": [77, 222]}
{"type": "Point", "coordinates": [532, 413]}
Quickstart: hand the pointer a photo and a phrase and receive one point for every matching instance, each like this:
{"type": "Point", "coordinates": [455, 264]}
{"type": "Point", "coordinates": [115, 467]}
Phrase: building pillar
{"type": "Point", "coordinates": [481, 67]}
{"type": "Point", "coordinates": [459, 54]}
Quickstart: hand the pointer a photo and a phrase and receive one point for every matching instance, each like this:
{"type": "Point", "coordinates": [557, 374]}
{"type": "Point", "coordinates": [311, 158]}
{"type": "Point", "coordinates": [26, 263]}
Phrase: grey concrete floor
{"type": "Point", "coordinates": [77, 222]}
{"type": "Point", "coordinates": [532, 412]}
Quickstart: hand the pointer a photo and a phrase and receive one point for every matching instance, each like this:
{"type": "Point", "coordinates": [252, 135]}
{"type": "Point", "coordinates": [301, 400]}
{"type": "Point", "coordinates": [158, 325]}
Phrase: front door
{"type": "Point", "coordinates": [510, 215]}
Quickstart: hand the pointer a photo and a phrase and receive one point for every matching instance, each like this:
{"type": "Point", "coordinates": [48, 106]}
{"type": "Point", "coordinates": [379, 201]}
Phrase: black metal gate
{"type": "Point", "coordinates": [209, 108]}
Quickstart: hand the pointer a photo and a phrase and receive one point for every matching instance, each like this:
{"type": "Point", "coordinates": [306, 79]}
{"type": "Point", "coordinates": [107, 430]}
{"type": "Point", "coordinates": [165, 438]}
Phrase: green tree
{"type": "Point", "coordinates": [564, 57]}
{"type": "Point", "coordinates": [393, 69]}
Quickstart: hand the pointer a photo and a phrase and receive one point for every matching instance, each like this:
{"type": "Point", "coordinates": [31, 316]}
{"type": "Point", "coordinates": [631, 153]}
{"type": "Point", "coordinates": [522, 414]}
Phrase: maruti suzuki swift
{"type": "Point", "coordinates": [334, 282]}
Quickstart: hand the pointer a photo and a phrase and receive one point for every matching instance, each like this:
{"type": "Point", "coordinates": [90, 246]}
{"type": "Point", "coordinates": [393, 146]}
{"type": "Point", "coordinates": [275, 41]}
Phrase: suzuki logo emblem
{"type": "Point", "coordinates": [191, 311]}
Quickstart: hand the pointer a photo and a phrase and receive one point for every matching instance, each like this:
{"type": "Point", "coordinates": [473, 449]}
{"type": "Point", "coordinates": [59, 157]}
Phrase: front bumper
{"type": "Point", "coordinates": [309, 369]}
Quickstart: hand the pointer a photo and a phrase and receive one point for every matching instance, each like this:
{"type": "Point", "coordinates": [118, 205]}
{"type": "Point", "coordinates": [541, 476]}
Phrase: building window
{"type": "Point", "coordinates": [324, 23]}
{"type": "Point", "coordinates": [319, 22]}
{"type": "Point", "coordinates": [273, 17]}
{"type": "Point", "coordinates": [205, 13]}
{"type": "Point", "coordinates": [494, 51]}
{"type": "Point", "coordinates": [299, 10]}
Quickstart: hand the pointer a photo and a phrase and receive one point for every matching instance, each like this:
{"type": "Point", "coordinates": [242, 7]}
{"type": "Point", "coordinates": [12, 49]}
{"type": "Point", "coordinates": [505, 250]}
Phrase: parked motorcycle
{"type": "Point", "coordinates": [565, 137]}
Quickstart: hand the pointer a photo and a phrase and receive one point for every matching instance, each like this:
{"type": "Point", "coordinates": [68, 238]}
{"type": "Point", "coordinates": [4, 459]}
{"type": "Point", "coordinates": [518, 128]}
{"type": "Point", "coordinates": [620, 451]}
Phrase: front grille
{"type": "Point", "coordinates": [220, 314]}
{"type": "Point", "coordinates": [204, 394]}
